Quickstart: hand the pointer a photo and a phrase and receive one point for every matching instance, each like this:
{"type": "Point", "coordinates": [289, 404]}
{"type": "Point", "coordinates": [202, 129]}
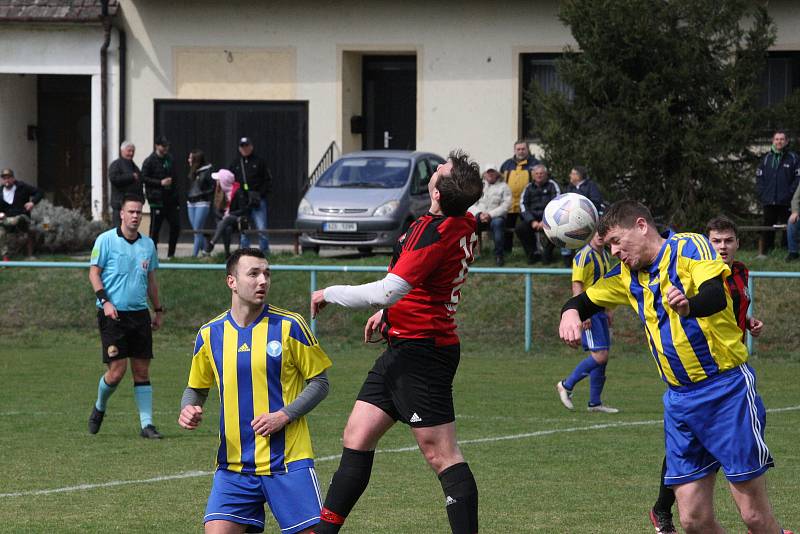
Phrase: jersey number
{"type": "Point", "coordinates": [459, 280]}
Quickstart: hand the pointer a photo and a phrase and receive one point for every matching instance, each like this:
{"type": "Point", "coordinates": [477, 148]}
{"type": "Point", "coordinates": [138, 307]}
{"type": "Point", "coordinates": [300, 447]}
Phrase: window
{"type": "Point", "coordinates": [541, 70]}
{"type": "Point", "coordinates": [781, 77]}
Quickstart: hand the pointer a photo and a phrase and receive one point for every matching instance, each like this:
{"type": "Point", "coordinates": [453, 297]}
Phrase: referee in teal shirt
{"type": "Point", "coordinates": [123, 276]}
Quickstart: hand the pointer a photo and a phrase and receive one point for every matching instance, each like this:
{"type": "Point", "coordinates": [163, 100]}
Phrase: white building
{"type": "Point", "coordinates": [294, 76]}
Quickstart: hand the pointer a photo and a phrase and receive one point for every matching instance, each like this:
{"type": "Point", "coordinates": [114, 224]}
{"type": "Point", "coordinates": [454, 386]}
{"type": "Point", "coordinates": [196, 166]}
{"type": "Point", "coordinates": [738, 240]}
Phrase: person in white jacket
{"type": "Point", "coordinates": [490, 211]}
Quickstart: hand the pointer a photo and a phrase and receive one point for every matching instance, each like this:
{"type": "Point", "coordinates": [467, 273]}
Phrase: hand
{"type": "Point", "coordinates": [535, 225]}
{"type": "Point", "coordinates": [586, 325]}
{"type": "Point", "coordinates": [677, 301]}
{"type": "Point", "coordinates": [2, 216]}
{"type": "Point", "coordinates": [155, 322]}
{"type": "Point", "coordinates": [317, 302]}
{"type": "Point", "coordinates": [755, 326]}
{"type": "Point", "coordinates": [570, 328]}
{"type": "Point", "coordinates": [28, 206]}
{"type": "Point", "coordinates": [373, 325]}
{"type": "Point", "coordinates": [110, 311]}
{"type": "Point", "coordinates": [269, 423]}
{"type": "Point", "coordinates": [166, 182]}
{"type": "Point", "coordinates": [190, 417]}
{"type": "Point", "coordinates": [794, 217]}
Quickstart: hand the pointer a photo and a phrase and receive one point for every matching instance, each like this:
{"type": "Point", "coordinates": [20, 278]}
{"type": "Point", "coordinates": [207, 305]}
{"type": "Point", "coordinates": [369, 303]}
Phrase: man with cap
{"type": "Point", "coordinates": [15, 209]}
{"type": "Point", "coordinates": [491, 209]}
{"type": "Point", "coordinates": [162, 196]}
{"type": "Point", "coordinates": [252, 173]}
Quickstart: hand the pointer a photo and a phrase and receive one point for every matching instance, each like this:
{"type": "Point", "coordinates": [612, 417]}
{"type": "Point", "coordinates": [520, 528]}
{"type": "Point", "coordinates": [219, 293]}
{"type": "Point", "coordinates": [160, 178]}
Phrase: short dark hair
{"type": "Point", "coordinates": [462, 187]}
{"type": "Point", "coordinates": [623, 214]}
{"type": "Point", "coordinates": [521, 142]}
{"type": "Point", "coordinates": [720, 224]}
{"type": "Point", "coordinates": [131, 197]}
{"type": "Point", "coordinates": [233, 261]}
{"type": "Point", "coordinates": [780, 131]}
{"type": "Point", "coordinates": [581, 170]}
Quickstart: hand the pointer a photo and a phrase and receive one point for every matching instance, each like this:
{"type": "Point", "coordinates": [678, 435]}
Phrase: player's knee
{"type": "Point", "coordinates": [600, 356]}
{"type": "Point", "coordinates": [756, 520]}
{"type": "Point", "coordinates": [696, 521]}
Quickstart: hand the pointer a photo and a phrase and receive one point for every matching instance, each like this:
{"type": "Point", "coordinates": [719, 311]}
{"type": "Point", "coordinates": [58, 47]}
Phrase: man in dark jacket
{"type": "Point", "coordinates": [125, 178]}
{"type": "Point", "coordinates": [579, 182]}
{"type": "Point", "coordinates": [252, 173]}
{"type": "Point", "coordinates": [534, 199]}
{"type": "Point", "coordinates": [777, 178]}
{"type": "Point", "coordinates": [162, 194]}
{"type": "Point", "coordinates": [15, 209]}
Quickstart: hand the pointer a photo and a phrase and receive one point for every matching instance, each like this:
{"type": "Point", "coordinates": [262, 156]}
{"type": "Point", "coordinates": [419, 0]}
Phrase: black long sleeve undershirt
{"type": "Point", "coordinates": [710, 299]}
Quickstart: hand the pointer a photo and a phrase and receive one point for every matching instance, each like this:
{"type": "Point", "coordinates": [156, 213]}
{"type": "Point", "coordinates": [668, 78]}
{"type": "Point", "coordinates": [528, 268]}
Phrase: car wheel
{"type": "Point", "coordinates": [365, 251]}
{"type": "Point", "coordinates": [314, 249]}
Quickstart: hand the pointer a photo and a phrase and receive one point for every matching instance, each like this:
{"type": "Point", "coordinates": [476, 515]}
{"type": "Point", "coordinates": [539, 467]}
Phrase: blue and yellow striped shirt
{"type": "Point", "coordinates": [258, 369]}
{"type": "Point", "coordinates": [589, 266]}
{"type": "Point", "coordinates": [686, 350]}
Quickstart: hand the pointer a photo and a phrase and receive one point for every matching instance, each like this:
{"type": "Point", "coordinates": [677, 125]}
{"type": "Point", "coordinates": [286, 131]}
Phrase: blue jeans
{"type": "Point", "coordinates": [197, 218]}
{"type": "Point", "coordinates": [793, 236]}
{"type": "Point", "coordinates": [258, 216]}
{"type": "Point", "coordinates": [498, 228]}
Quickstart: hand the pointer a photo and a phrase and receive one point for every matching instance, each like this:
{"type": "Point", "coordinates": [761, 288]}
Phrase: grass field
{"type": "Point", "coordinates": [539, 467]}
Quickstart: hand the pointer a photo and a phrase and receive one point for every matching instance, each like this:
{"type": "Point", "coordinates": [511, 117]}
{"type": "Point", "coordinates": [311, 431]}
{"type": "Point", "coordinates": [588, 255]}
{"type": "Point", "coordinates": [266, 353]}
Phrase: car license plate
{"type": "Point", "coordinates": [340, 227]}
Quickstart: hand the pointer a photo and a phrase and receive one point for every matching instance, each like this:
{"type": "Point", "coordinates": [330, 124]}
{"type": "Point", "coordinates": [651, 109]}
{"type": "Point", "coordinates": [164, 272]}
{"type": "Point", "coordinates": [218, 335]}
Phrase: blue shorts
{"type": "Point", "coordinates": [293, 498]}
{"type": "Point", "coordinates": [598, 337]}
{"type": "Point", "coordinates": [717, 423]}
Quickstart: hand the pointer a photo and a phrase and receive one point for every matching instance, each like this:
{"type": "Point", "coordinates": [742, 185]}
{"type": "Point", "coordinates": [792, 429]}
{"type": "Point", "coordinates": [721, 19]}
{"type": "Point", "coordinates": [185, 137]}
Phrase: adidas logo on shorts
{"type": "Point", "coordinates": [415, 418]}
{"type": "Point", "coordinates": [449, 501]}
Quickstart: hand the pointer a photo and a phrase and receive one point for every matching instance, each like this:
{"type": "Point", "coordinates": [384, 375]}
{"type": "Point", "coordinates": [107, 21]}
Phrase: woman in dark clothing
{"type": "Point", "coordinates": [200, 191]}
{"type": "Point", "coordinates": [230, 205]}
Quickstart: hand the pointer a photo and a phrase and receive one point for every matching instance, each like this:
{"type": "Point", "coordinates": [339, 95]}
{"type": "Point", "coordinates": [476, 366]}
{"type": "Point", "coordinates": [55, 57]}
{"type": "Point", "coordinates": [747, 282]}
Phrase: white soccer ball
{"type": "Point", "coordinates": [570, 220]}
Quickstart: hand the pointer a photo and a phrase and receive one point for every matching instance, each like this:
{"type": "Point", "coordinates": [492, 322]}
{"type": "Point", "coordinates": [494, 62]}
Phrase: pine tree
{"type": "Point", "coordinates": [665, 103]}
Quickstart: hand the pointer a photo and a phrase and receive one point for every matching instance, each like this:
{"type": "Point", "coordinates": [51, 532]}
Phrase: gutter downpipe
{"type": "Point", "coordinates": [106, 20]}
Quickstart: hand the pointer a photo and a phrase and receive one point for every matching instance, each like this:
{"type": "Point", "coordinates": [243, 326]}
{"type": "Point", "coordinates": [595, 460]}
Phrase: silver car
{"type": "Point", "coordinates": [366, 199]}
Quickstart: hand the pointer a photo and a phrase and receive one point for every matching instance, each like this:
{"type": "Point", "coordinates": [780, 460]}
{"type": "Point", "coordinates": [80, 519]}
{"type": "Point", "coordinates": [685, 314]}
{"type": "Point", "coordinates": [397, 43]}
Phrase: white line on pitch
{"type": "Point", "coordinates": [194, 474]}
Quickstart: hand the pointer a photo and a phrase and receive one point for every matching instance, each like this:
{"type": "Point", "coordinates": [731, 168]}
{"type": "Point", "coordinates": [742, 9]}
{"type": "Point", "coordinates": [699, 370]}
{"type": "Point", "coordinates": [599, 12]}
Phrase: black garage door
{"type": "Point", "coordinates": [279, 131]}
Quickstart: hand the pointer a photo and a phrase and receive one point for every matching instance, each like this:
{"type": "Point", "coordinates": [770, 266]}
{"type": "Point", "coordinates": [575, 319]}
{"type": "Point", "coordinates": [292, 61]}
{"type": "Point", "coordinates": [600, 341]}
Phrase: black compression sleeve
{"type": "Point", "coordinates": [586, 308]}
{"type": "Point", "coordinates": [710, 299]}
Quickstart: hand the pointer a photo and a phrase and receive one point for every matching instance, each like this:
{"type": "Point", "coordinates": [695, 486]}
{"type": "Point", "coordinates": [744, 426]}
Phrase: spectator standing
{"type": "Point", "coordinates": [491, 209]}
{"type": "Point", "coordinates": [125, 178]}
{"type": "Point", "coordinates": [776, 179]}
{"type": "Point", "coordinates": [253, 175]}
{"type": "Point", "coordinates": [518, 173]}
{"type": "Point", "coordinates": [579, 182]}
{"type": "Point", "coordinates": [16, 205]}
{"type": "Point", "coordinates": [162, 195]}
{"type": "Point", "coordinates": [123, 276]}
{"type": "Point", "coordinates": [793, 227]}
{"type": "Point", "coordinates": [534, 199]}
{"type": "Point", "coordinates": [200, 192]}
{"type": "Point", "coordinates": [230, 204]}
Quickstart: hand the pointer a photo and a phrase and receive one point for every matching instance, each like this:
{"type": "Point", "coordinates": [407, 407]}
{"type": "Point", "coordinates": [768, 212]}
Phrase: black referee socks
{"type": "Point", "coordinates": [461, 498]}
{"type": "Point", "coordinates": [347, 485]}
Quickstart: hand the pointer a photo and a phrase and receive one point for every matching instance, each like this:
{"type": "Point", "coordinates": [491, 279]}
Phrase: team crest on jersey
{"type": "Point", "coordinates": [274, 348]}
{"type": "Point", "coordinates": [112, 351]}
{"type": "Point", "coordinates": [145, 264]}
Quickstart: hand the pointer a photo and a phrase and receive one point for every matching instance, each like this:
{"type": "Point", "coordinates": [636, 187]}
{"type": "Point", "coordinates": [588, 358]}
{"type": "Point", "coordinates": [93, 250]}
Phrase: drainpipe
{"type": "Point", "coordinates": [123, 74]}
{"type": "Point", "coordinates": [103, 105]}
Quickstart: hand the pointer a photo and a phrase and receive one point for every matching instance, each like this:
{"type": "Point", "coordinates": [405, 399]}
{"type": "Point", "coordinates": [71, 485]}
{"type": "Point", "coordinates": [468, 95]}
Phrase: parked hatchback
{"type": "Point", "coordinates": [366, 199]}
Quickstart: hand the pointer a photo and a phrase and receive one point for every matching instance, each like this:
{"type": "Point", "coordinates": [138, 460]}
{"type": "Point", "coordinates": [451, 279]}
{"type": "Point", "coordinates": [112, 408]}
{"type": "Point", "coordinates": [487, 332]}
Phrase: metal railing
{"type": "Point", "coordinates": [528, 273]}
{"type": "Point", "coordinates": [325, 161]}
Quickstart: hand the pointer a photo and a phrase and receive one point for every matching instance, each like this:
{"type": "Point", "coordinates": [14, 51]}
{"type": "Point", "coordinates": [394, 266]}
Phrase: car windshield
{"type": "Point", "coordinates": [378, 173]}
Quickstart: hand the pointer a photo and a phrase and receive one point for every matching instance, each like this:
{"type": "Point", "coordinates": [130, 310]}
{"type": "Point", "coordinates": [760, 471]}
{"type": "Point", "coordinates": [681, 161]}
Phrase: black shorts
{"type": "Point", "coordinates": [129, 337]}
{"type": "Point", "coordinates": [412, 381]}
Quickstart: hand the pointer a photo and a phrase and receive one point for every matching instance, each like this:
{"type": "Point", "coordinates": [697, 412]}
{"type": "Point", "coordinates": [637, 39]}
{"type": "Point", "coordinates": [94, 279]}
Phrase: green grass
{"type": "Point", "coordinates": [584, 480]}
{"type": "Point", "coordinates": [567, 478]}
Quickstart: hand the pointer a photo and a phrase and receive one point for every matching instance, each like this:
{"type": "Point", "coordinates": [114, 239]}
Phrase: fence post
{"type": "Point", "coordinates": [313, 288]}
{"type": "Point", "coordinates": [750, 287]}
{"type": "Point", "coordinates": [528, 306]}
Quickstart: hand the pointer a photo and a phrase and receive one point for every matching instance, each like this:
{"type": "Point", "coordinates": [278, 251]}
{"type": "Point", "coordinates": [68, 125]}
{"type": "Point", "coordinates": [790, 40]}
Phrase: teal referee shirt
{"type": "Point", "coordinates": [125, 266]}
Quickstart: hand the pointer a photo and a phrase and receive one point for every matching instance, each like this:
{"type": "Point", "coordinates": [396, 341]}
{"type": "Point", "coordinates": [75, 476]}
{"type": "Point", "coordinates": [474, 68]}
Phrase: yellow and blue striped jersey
{"type": "Point", "coordinates": [258, 369]}
{"type": "Point", "coordinates": [589, 266]}
{"type": "Point", "coordinates": [686, 350]}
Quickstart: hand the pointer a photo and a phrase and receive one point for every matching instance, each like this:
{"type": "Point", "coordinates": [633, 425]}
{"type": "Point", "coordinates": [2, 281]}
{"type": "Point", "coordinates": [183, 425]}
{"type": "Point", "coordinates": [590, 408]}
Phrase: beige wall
{"type": "Point", "coordinates": [17, 111]}
{"type": "Point", "coordinates": [468, 60]}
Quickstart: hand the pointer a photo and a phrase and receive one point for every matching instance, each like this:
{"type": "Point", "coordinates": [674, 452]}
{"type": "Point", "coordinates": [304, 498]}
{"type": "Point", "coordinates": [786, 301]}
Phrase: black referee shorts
{"type": "Point", "coordinates": [412, 381]}
{"type": "Point", "coordinates": [129, 337]}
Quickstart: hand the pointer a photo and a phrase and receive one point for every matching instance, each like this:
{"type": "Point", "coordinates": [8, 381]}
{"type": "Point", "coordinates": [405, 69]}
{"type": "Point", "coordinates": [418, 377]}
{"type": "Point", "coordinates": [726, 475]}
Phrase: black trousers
{"type": "Point", "coordinates": [171, 214]}
{"type": "Point", "coordinates": [530, 242]}
{"type": "Point", "coordinates": [773, 214]}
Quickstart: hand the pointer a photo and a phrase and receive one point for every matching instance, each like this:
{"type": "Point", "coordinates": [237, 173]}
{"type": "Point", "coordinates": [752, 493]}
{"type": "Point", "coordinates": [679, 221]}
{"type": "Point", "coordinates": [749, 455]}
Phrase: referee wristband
{"type": "Point", "coordinates": [101, 295]}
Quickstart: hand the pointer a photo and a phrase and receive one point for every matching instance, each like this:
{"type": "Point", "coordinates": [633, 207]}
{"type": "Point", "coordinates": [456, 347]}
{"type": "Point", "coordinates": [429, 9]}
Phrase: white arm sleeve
{"type": "Point", "coordinates": [379, 294]}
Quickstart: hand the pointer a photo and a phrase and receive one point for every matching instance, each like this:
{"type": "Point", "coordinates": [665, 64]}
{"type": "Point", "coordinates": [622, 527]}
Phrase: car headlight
{"type": "Point", "coordinates": [386, 209]}
{"type": "Point", "coordinates": [305, 208]}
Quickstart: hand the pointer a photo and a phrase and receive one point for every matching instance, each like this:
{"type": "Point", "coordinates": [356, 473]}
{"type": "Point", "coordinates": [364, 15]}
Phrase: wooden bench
{"type": "Point", "coordinates": [295, 233]}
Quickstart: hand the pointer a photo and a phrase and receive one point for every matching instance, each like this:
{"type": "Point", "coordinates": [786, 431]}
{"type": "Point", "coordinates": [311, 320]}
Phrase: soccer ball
{"type": "Point", "coordinates": [570, 220]}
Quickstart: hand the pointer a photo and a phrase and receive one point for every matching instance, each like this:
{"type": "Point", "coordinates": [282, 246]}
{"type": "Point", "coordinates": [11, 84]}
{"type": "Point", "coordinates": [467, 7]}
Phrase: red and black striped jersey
{"type": "Point", "coordinates": [737, 285]}
{"type": "Point", "coordinates": [433, 256]}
